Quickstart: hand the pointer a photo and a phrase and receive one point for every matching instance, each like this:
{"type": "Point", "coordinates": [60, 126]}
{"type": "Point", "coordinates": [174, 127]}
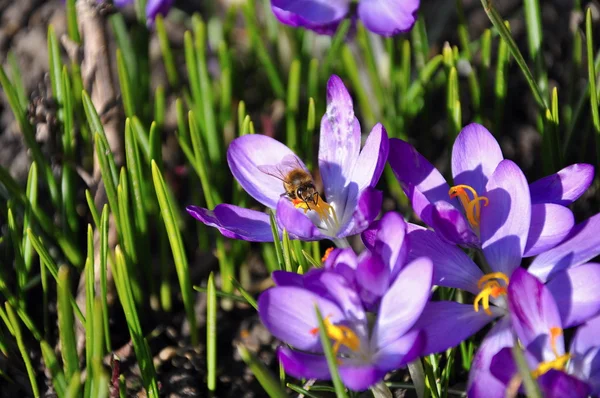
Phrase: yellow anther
{"type": "Point", "coordinates": [489, 286]}
{"type": "Point", "coordinates": [488, 277]}
{"type": "Point", "coordinates": [340, 334]}
{"type": "Point", "coordinates": [323, 209]}
{"type": "Point", "coordinates": [558, 364]}
{"type": "Point", "coordinates": [472, 206]}
{"type": "Point", "coordinates": [326, 255]}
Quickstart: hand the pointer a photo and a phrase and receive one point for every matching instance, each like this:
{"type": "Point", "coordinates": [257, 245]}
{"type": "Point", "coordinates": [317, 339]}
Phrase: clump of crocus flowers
{"type": "Point", "coordinates": [480, 230]}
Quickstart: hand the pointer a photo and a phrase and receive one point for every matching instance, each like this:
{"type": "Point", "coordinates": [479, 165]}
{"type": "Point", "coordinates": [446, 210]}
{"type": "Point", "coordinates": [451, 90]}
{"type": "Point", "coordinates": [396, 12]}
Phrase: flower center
{"type": "Point", "coordinates": [489, 285]}
{"type": "Point", "coordinates": [340, 334]}
{"type": "Point", "coordinates": [326, 213]}
{"type": "Point", "coordinates": [472, 206]}
{"type": "Point", "coordinates": [557, 364]}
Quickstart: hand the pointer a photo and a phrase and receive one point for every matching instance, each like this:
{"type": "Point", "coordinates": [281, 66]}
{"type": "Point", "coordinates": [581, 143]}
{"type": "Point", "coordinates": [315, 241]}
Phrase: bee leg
{"type": "Point", "coordinates": [315, 198]}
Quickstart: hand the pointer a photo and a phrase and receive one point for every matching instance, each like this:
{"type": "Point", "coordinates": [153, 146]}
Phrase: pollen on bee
{"type": "Point", "coordinates": [323, 209]}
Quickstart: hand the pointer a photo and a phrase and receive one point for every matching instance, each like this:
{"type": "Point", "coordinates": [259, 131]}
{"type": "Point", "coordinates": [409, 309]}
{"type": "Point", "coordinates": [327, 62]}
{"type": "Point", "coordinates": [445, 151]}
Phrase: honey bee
{"type": "Point", "coordinates": [298, 184]}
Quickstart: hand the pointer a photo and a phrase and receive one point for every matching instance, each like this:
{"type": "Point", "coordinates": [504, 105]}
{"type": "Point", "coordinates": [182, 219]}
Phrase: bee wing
{"type": "Point", "coordinates": [284, 167]}
{"type": "Point", "coordinates": [273, 171]}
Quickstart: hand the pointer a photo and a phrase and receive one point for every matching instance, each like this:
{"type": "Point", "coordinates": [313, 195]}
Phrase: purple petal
{"type": "Point", "coordinates": [564, 187]}
{"type": "Point", "coordinates": [284, 278]}
{"type": "Point", "coordinates": [372, 274]}
{"type": "Point", "coordinates": [586, 337]}
{"type": "Point", "coordinates": [557, 384]}
{"type": "Point", "coordinates": [321, 16]}
{"type": "Point", "coordinates": [482, 384]}
{"type": "Point", "coordinates": [475, 156]}
{"type": "Point", "coordinates": [388, 17]}
{"type": "Point", "coordinates": [503, 366]}
{"type": "Point", "coordinates": [365, 211]}
{"type": "Point", "coordinates": [235, 222]}
{"type": "Point", "coordinates": [450, 224]}
{"type": "Point", "coordinates": [533, 314]}
{"type": "Point", "coordinates": [244, 156]}
{"type": "Point", "coordinates": [447, 323]}
{"type": "Point", "coordinates": [155, 7]}
{"type": "Point", "coordinates": [576, 293]}
{"type": "Point", "coordinates": [404, 302]}
{"type": "Point", "coordinates": [289, 314]}
{"type": "Point", "coordinates": [585, 349]}
{"type": "Point", "coordinates": [357, 377]}
{"type": "Point", "coordinates": [302, 365]}
{"type": "Point", "coordinates": [335, 287]}
{"type": "Point", "coordinates": [343, 262]}
{"type": "Point", "coordinates": [372, 159]}
{"type": "Point", "coordinates": [416, 173]}
{"type": "Point", "coordinates": [296, 222]}
{"type": "Point", "coordinates": [582, 244]}
{"type": "Point", "coordinates": [369, 235]}
{"type": "Point", "coordinates": [550, 225]}
{"type": "Point", "coordinates": [391, 243]}
{"type": "Point", "coordinates": [401, 351]}
{"type": "Point", "coordinates": [451, 266]}
{"type": "Point", "coordinates": [120, 3]}
{"type": "Point", "coordinates": [505, 220]}
{"type": "Point", "coordinates": [339, 145]}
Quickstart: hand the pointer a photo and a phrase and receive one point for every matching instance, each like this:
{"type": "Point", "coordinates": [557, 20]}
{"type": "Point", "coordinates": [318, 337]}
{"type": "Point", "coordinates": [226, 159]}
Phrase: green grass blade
{"type": "Point", "coordinates": [52, 267]}
{"type": "Point", "coordinates": [56, 68]}
{"type": "Point", "coordinates": [16, 331]}
{"type": "Point", "coordinates": [533, 22]}
{"type": "Point", "coordinates": [498, 23]}
{"type": "Point", "coordinates": [66, 323]}
{"type": "Point", "coordinates": [74, 388]}
{"type": "Point", "coordinates": [167, 53]}
{"type": "Point", "coordinates": [340, 390]}
{"type": "Point", "coordinates": [592, 78]}
{"type": "Point", "coordinates": [122, 283]}
{"type": "Point", "coordinates": [266, 379]}
{"type": "Point", "coordinates": [103, 274]}
{"type": "Point", "coordinates": [15, 237]}
{"type": "Point", "coordinates": [89, 305]}
{"type": "Point", "coordinates": [334, 51]}
{"type": "Point", "coordinates": [211, 334]}
{"type": "Point", "coordinates": [141, 135]}
{"type": "Point", "coordinates": [31, 193]}
{"type": "Point", "coordinates": [58, 377]}
{"type": "Point", "coordinates": [179, 257]}
{"type": "Point", "coordinates": [72, 28]}
{"type": "Point", "coordinates": [293, 94]}
{"type": "Point", "coordinates": [125, 81]}
{"type": "Point", "coordinates": [249, 299]}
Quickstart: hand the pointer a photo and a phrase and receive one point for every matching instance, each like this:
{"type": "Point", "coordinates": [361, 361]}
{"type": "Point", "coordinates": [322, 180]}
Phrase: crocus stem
{"type": "Point", "coordinates": [417, 374]}
{"type": "Point", "coordinates": [341, 243]}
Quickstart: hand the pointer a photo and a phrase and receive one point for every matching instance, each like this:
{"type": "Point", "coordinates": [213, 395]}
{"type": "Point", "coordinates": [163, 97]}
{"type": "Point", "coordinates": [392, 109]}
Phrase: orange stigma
{"type": "Point", "coordinates": [326, 255]}
{"type": "Point", "coordinates": [557, 364]}
{"type": "Point", "coordinates": [490, 286]}
{"type": "Point", "coordinates": [341, 335]}
{"type": "Point", "coordinates": [472, 206]}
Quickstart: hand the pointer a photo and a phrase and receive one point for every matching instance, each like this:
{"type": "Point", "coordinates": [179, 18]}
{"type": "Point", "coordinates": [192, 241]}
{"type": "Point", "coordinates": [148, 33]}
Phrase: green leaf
{"type": "Point", "coordinates": [268, 382]}
{"type": "Point", "coordinates": [31, 195]}
{"type": "Point", "coordinates": [58, 377]}
{"type": "Point", "coordinates": [66, 323]}
{"type": "Point", "coordinates": [103, 274]}
{"type": "Point", "coordinates": [340, 390]}
{"type": "Point", "coordinates": [293, 95]}
{"type": "Point", "coordinates": [211, 333]}
{"type": "Point", "coordinates": [179, 256]}
{"type": "Point", "coordinates": [16, 332]}
{"type": "Point", "coordinates": [532, 388]}
{"type": "Point", "coordinates": [249, 299]}
{"type": "Point", "coordinates": [167, 53]}
{"type": "Point", "coordinates": [592, 78]}
{"type": "Point", "coordinates": [498, 23]}
{"type": "Point", "coordinates": [124, 80]}
{"type": "Point", "coordinates": [72, 28]}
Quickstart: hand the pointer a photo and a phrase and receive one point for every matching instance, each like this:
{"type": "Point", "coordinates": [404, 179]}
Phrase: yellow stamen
{"type": "Point", "coordinates": [557, 364]}
{"type": "Point", "coordinates": [472, 206]}
{"type": "Point", "coordinates": [323, 209]}
{"type": "Point", "coordinates": [489, 286]}
{"type": "Point", "coordinates": [326, 255]}
{"type": "Point", "coordinates": [340, 334]}
{"type": "Point", "coordinates": [561, 360]}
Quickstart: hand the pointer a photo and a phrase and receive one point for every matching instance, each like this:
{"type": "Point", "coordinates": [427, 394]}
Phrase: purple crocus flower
{"type": "Point", "coordinates": [375, 269]}
{"type": "Point", "coordinates": [538, 325]}
{"type": "Point", "coordinates": [153, 7]}
{"type": "Point", "coordinates": [259, 163]}
{"type": "Point", "coordinates": [456, 213]}
{"type": "Point", "coordinates": [572, 281]}
{"type": "Point", "coordinates": [585, 354]}
{"type": "Point", "coordinates": [365, 351]}
{"type": "Point", "coordinates": [384, 17]}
